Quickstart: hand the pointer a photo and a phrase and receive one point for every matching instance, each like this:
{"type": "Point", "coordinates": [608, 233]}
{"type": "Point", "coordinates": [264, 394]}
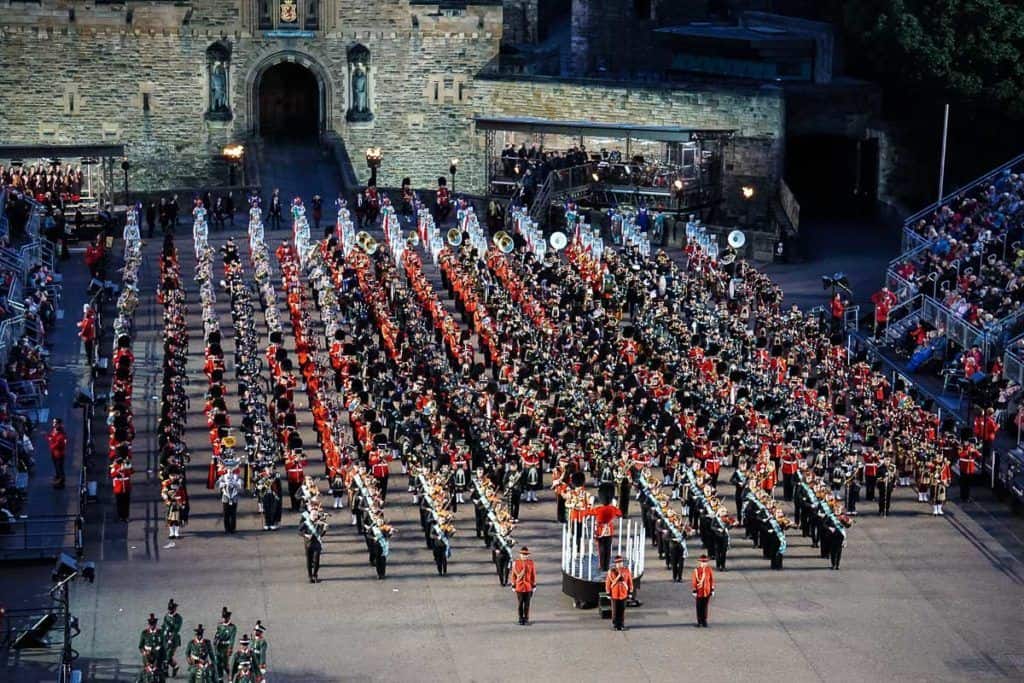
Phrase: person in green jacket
{"type": "Point", "coordinates": [151, 642]}
{"type": "Point", "coordinates": [245, 673]}
{"type": "Point", "coordinates": [224, 642]}
{"type": "Point", "coordinates": [245, 655]}
{"type": "Point", "coordinates": [172, 635]}
{"type": "Point", "coordinates": [259, 646]}
{"type": "Point", "coordinates": [201, 659]}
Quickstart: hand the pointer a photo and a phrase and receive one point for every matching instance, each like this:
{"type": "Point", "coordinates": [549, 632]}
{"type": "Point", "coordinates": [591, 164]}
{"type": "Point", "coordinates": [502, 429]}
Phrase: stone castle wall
{"type": "Point", "coordinates": [144, 83]}
{"type": "Point", "coordinates": [757, 115]}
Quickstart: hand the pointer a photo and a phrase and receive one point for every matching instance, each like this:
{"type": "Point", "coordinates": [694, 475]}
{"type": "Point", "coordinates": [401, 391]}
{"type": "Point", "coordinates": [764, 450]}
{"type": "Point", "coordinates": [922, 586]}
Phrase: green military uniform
{"type": "Point", "coordinates": [203, 672]}
{"type": "Point", "coordinates": [152, 638]}
{"type": "Point", "coordinates": [172, 635]}
{"type": "Point", "coordinates": [259, 648]}
{"type": "Point", "coordinates": [202, 660]}
{"type": "Point", "coordinates": [244, 654]}
{"type": "Point", "coordinates": [224, 642]}
{"type": "Point", "coordinates": [244, 675]}
{"type": "Point", "coordinates": [149, 674]}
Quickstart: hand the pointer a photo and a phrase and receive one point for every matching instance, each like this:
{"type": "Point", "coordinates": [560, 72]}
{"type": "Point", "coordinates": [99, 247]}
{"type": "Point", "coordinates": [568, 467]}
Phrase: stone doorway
{"type": "Point", "coordinates": [288, 102]}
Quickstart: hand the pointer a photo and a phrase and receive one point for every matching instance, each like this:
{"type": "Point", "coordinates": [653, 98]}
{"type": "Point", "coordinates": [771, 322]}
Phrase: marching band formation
{"type": "Point", "coordinates": [586, 360]}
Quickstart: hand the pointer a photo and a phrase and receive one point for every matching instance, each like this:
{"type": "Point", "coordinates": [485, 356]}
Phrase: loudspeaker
{"type": "Point", "coordinates": [35, 637]}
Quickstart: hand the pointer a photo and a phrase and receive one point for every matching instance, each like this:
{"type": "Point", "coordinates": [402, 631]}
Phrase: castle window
{"type": "Point", "coordinates": [145, 102]}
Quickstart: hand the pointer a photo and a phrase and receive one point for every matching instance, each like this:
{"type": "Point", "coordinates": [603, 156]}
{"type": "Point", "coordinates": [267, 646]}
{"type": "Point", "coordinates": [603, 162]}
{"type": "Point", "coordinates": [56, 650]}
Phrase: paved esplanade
{"type": "Point", "coordinates": [918, 597]}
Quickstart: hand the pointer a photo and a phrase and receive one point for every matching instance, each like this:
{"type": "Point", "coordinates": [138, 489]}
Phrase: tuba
{"type": "Point", "coordinates": [454, 237]}
{"type": "Point", "coordinates": [412, 239]}
{"type": "Point", "coordinates": [366, 242]}
{"type": "Point", "coordinates": [504, 242]}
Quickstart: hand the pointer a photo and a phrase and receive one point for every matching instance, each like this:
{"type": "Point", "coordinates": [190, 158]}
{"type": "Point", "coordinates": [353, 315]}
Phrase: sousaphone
{"type": "Point", "coordinates": [558, 241]}
{"type": "Point", "coordinates": [504, 242]}
{"type": "Point", "coordinates": [366, 242]}
{"type": "Point", "coordinates": [454, 237]}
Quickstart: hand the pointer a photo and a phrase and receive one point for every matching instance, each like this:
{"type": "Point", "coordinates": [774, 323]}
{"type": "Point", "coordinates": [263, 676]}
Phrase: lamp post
{"type": "Point", "coordinates": [453, 168]}
{"type": "Point", "coordinates": [233, 154]}
{"type": "Point", "coordinates": [748, 196]}
{"type": "Point", "coordinates": [373, 159]}
{"type": "Point", "coordinates": [125, 165]}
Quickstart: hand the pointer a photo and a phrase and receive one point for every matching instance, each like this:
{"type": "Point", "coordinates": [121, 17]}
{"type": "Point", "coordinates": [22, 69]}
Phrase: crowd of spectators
{"type": "Point", "coordinates": [974, 261]}
{"type": "Point", "coordinates": [973, 264]}
{"type": "Point", "coordinates": [25, 294]}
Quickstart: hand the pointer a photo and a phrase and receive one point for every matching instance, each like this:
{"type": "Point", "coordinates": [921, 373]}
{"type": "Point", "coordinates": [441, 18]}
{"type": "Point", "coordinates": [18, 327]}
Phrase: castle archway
{"type": "Point", "coordinates": [290, 97]}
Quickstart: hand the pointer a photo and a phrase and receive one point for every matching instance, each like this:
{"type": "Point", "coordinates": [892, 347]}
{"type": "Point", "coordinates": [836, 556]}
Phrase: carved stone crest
{"type": "Point", "coordinates": [289, 12]}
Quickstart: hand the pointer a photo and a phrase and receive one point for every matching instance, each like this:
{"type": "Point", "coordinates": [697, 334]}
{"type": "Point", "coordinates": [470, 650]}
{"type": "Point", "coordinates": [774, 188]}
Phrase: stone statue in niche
{"type": "Point", "coordinates": [359, 95]}
{"type": "Point", "coordinates": [218, 59]}
{"type": "Point", "coordinates": [218, 88]}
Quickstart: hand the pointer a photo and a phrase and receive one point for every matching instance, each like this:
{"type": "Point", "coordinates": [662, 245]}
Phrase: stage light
{"type": "Point", "coordinates": [596, 177]}
{"type": "Point", "coordinates": [678, 184]}
{"type": "Point", "coordinates": [748, 192]}
{"type": "Point", "coordinates": [836, 281]}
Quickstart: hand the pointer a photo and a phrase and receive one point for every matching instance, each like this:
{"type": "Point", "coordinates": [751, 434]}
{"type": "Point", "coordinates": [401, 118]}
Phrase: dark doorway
{"type": "Point", "coordinates": [289, 102]}
{"type": "Point", "coordinates": [832, 175]}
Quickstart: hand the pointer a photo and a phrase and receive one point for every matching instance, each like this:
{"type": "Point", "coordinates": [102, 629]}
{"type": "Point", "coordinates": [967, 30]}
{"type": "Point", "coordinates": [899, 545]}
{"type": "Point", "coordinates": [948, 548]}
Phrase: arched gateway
{"type": "Point", "coordinates": [290, 96]}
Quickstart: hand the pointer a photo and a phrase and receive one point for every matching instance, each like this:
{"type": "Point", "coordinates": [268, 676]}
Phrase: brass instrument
{"type": "Point", "coordinates": [454, 237]}
{"type": "Point", "coordinates": [366, 242]}
{"type": "Point", "coordinates": [412, 240]}
{"type": "Point", "coordinates": [504, 242]}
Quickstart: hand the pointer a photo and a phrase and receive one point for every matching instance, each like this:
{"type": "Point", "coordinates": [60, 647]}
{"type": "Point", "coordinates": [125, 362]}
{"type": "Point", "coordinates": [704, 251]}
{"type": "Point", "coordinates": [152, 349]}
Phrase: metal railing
{"type": "Point", "coordinates": [10, 332]}
{"type": "Point", "coordinates": [958, 330]}
{"type": "Point", "coordinates": [40, 536]}
{"type": "Point", "coordinates": [851, 318]}
{"type": "Point", "coordinates": [1013, 360]}
{"type": "Point", "coordinates": [899, 314]}
{"type": "Point", "coordinates": [912, 240]}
